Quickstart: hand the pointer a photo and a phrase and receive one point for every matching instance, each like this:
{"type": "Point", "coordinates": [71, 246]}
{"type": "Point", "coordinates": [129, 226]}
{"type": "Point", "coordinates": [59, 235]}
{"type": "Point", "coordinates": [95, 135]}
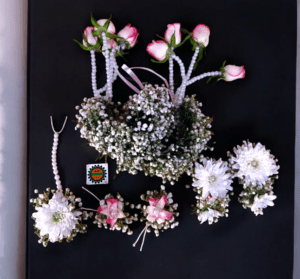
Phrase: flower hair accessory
{"type": "Point", "coordinates": [256, 170]}
{"type": "Point", "coordinates": [159, 214]}
{"type": "Point", "coordinates": [57, 215]}
{"type": "Point", "coordinates": [160, 130]}
{"type": "Point", "coordinates": [110, 213]}
{"type": "Point", "coordinates": [212, 180]}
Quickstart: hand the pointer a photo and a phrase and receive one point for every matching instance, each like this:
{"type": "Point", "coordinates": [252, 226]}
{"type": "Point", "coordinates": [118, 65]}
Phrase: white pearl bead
{"type": "Point", "coordinates": [56, 177]}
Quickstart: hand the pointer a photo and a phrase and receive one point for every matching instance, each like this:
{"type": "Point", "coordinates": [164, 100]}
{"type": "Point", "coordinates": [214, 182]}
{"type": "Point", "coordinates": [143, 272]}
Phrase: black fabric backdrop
{"type": "Point", "coordinates": [259, 34]}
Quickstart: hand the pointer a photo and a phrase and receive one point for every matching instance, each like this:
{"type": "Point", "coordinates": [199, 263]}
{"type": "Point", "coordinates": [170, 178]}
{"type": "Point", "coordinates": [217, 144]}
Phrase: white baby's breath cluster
{"type": "Point", "coordinates": [57, 216]}
{"type": "Point", "coordinates": [210, 208]}
{"type": "Point", "coordinates": [148, 133]}
{"type": "Point", "coordinates": [122, 224]}
{"type": "Point", "coordinates": [257, 170]}
{"type": "Point", "coordinates": [170, 206]}
{"type": "Point", "coordinates": [212, 180]}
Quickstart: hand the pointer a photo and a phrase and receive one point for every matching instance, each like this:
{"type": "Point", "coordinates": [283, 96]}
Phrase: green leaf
{"type": "Point", "coordinates": [194, 43]}
{"type": "Point", "coordinates": [113, 36]}
{"type": "Point", "coordinates": [87, 48]}
{"type": "Point", "coordinates": [94, 22]}
{"type": "Point", "coordinates": [210, 79]}
{"type": "Point", "coordinates": [173, 40]}
{"type": "Point", "coordinates": [160, 62]}
{"type": "Point", "coordinates": [184, 31]}
{"type": "Point", "coordinates": [200, 56]}
{"type": "Point", "coordinates": [107, 23]}
{"type": "Point", "coordinates": [183, 41]}
{"type": "Point", "coordinates": [222, 67]}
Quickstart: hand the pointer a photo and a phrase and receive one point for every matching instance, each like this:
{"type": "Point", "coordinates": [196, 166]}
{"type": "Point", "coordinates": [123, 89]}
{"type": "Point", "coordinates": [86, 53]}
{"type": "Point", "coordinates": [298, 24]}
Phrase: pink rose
{"type": "Point", "coordinates": [173, 29]}
{"type": "Point", "coordinates": [90, 38]}
{"type": "Point", "coordinates": [233, 72]}
{"type": "Point", "coordinates": [201, 34]}
{"type": "Point", "coordinates": [111, 27]}
{"type": "Point", "coordinates": [130, 34]}
{"type": "Point", "coordinates": [158, 49]}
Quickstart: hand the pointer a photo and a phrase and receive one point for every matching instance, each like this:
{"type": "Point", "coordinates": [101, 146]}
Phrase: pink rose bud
{"type": "Point", "coordinates": [173, 29]}
{"type": "Point", "coordinates": [201, 34]}
{"type": "Point", "coordinates": [111, 27]}
{"type": "Point", "coordinates": [130, 34]}
{"type": "Point", "coordinates": [233, 72]}
{"type": "Point", "coordinates": [90, 38]}
{"type": "Point", "coordinates": [158, 49]}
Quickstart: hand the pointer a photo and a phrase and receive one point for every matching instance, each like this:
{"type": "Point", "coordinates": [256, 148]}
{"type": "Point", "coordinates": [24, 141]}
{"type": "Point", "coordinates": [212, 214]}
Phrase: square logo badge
{"type": "Point", "coordinates": [96, 174]}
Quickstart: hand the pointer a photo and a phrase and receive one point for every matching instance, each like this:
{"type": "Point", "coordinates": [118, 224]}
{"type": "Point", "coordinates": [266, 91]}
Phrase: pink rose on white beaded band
{"type": "Point", "coordinates": [201, 34]}
{"type": "Point", "coordinates": [130, 34]}
{"type": "Point", "coordinates": [173, 29]}
{"type": "Point", "coordinates": [113, 210]}
{"type": "Point", "coordinates": [90, 38]}
{"type": "Point", "coordinates": [111, 27]}
{"type": "Point", "coordinates": [233, 72]}
{"type": "Point", "coordinates": [156, 210]}
{"type": "Point", "coordinates": [158, 49]}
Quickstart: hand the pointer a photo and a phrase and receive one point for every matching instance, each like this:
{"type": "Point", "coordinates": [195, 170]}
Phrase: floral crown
{"type": "Point", "coordinates": [160, 130]}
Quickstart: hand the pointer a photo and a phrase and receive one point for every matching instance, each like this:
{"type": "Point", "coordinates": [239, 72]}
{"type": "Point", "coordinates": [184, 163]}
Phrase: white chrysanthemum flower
{"type": "Point", "coordinates": [213, 177]}
{"type": "Point", "coordinates": [209, 216]}
{"type": "Point", "coordinates": [261, 202]}
{"type": "Point", "coordinates": [56, 218]}
{"type": "Point", "coordinates": [255, 164]}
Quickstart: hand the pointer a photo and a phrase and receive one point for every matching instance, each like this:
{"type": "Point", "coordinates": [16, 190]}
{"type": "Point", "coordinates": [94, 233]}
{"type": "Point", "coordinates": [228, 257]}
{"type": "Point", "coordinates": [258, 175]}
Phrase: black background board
{"type": "Point", "coordinates": [259, 34]}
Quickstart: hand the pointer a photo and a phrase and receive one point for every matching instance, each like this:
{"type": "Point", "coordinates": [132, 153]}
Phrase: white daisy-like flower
{"type": "Point", "coordinates": [254, 163]}
{"type": "Point", "coordinates": [213, 177]}
{"type": "Point", "coordinates": [261, 202]}
{"type": "Point", "coordinates": [209, 216]}
{"type": "Point", "coordinates": [56, 218]}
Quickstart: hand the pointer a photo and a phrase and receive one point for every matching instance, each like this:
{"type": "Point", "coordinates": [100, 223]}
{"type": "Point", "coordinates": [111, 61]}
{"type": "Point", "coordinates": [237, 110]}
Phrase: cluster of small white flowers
{"type": "Point", "coordinates": [257, 170]}
{"type": "Point", "coordinates": [56, 217]}
{"type": "Point", "coordinates": [212, 182]}
{"type": "Point", "coordinates": [210, 209]}
{"type": "Point", "coordinates": [170, 207]}
{"type": "Point", "coordinates": [149, 134]}
{"type": "Point", "coordinates": [122, 223]}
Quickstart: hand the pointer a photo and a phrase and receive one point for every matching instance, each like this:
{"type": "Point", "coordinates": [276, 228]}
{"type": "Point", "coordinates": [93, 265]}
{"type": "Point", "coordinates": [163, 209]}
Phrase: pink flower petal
{"type": "Point", "coordinates": [173, 28]}
{"type": "Point", "coordinates": [166, 215]}
{"type": "Point", "coordinates": [162, 202]}
{"type": "Point", "coordinates": [233, 72]}
{"type": "Point", "coordinates": [158, 49]}
{"type": "Point", "coordinates": [103, 209]}
{"type": "Point", "coordinates": [153, 201]}
{"type": "Point", "coordinates": [111, 220]}
{"type": "Point", "coordinates": [89, 35]}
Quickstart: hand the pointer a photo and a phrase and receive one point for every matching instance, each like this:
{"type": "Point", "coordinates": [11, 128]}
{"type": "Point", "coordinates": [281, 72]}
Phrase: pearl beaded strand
{"type": "Point", "coordinates": [209, 74]}
{"type": "Point", "coordinates": [182, 71]}
{"type": "Point", "coordinates": [54, 153]}
{"type": "Point", "coordinates": [94, 71]}
{"type": "Point", "coordinates": [107, 66]}
{"type": "Point", "coordinates": [182, 89]}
